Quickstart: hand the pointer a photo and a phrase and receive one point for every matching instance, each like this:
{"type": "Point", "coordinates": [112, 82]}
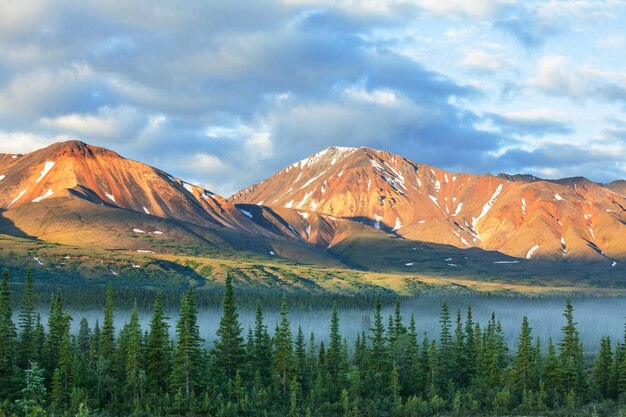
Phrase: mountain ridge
{"type": "Point", "coordinates": [348, 208]}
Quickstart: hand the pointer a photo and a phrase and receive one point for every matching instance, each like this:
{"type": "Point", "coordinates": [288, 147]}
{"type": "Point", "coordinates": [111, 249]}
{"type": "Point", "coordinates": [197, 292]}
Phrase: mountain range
{"type": "Point", "coordinates": [354, 209]}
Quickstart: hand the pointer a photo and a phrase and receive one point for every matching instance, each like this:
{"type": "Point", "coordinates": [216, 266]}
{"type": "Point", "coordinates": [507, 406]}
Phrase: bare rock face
{"type": "Point", "coordinates": [75, 170]}
{"type": "Point", "coordinates": [521, 216]}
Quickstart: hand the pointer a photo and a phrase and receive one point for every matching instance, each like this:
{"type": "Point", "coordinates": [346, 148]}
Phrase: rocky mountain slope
{"type": "Point", "coordinates": [521, 216]}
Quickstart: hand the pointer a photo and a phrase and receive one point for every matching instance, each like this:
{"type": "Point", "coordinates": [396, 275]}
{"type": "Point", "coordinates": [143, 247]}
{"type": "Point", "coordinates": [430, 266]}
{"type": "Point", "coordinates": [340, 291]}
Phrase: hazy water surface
{"type": "Point", "coordinates": [596, 316]}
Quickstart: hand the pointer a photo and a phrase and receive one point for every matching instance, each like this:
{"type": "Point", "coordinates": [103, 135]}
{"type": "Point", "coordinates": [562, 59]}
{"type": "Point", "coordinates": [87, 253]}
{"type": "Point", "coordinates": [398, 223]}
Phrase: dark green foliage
{"type": "Point", "coordinates": [229, 351]}
{"type": "Point", "coordinates": [388, 372]}
{"type": "Point", "coordinates": [7, 340]}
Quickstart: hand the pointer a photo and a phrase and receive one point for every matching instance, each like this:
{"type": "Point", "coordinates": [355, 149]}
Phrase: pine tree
{"type": "Point", "coordinates": [107, 337]}
{"type": "Point", "coordinates": [523, 363]}
{"type": "Point", "coordinates": [84, 334]}
{"type": "Point", "coordinates": [571, 355]}
{"type": "Point", "coordinates": [552, 374]}
{"type": "Point", "coordinates": [470, 345]}
{"type": "Point", "coordinates": [445, 360]}
{"type": "Point", "coordinates": [26, 323]}
{"type": "Point", "coordinates": [602, 372]}
{"type": "Point", "coordinates": [7, 339]}
{"type": "Point", "coordinates": [283, 357]}
{"type": "Point", "coordinates": [302, 365]}
{"type": "Point", "coordinates": [34, 393]}
{"type": "Point", "coordinates": [333, 355]}
{"type": "Point", "coordinates": [187, 357]}
{"type": "Point", "coordinates": [157, 348]}
{"type": "Point", "coordinates": [134, 371]}
{"type": "Point", "coordinates": [58, 330]}
{"type": "Point", "coordinates": [378, 354]}
{"type": "Point", "coordinates": [262, 357]}
{"type": "Point", "coordinates": [459, 353]}
{"type": "Point", "coordinates": [229, 352]}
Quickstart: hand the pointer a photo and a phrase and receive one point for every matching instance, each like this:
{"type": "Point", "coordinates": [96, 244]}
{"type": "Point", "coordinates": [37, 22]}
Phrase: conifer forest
{"type": "Point", "coordinates": [391, 370]}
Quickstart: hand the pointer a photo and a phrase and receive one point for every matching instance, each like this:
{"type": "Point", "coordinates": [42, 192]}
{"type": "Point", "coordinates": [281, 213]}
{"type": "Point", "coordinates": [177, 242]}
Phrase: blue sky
{"type": "Point", "coordinates": [224, 93]}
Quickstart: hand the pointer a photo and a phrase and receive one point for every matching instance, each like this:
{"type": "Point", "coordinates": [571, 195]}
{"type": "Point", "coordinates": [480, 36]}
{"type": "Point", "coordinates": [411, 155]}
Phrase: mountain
{"type": "Point", "coordinates": [344, 219]}
{"type": "Point", "coordinates": [521, 216]}
{"type": "Point", "coordinates": [72, 193]}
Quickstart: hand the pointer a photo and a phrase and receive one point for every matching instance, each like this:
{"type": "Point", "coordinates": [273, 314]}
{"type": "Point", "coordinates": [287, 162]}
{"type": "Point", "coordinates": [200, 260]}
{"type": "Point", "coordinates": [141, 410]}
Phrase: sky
{"type": "Point", "coordinates": [223, 93]}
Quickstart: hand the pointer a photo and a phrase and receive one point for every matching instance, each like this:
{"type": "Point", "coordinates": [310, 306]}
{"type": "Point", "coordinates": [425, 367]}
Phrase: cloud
{"type": "Point", "coordinates": [206, 89]}
{"type": "Point", "coordinates": [481, 61]}
{"type": "Point", "coordinates": [557, 75]}
{"type": "Point", "coordinates": [476, 8]}
{"type": "Point", "coordinates": [535, 122]}
{"type": "Point", "coordinates": [112, 123]}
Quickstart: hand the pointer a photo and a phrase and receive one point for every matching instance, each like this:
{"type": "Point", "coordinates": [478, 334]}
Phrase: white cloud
{"type": "Point", "coordinates": [24, 142]}
{"type": "Point", "coordinates": [475, 8]}
{"type": "Point", "coordinates": [108, 122]}
{"type": "Point", "coordinates": [557, 75]}
{"type": "Point", "coordinates": [536, 115]}
{"type": "Point", "coordinates": [482, 61]}
{"type": "Point", "coordinates": [613, 41]}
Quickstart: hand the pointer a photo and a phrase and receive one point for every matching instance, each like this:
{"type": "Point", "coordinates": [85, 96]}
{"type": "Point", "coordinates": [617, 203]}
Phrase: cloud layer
{"type": "Point", "coordinates": [224, 93]}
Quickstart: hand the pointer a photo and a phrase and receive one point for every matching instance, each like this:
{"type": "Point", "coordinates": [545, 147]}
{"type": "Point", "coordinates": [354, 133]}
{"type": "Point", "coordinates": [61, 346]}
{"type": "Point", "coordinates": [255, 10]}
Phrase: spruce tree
{"type": "Point", "coordinates": [26, 323]}
{"type": "Point", "coordinates": [7, 339]}
{"type": "Point", "coordinates": [603, 369]}
{"type": "Point", "coordinates": [229, 352]}
{"type": "Point", "coordinates": [524, 363]}
{"type": "Point", "coordinates": [334, 349]}
{"type": "Point", "coordinates": [187, 361]}
{"type": "Point", "coordinates": [58, 330]}
{"type": "Point", "coordinates": [552, 374]}
{"type": "Point", "coordinates": [262, 358]}
{"type": "Point", "coordinates": [135, 374]}
{"type": "Point", "coordinates": [34, 393]}
{"type": "Point", "coordinates": [107, 337]}
{"type": "Point", "coordinates": [283, 357]}
{"type": "Point", "coordinates": [445, 360]}
{"type": "Point", "coordinates": [571, 355]}
{"type": "Point", "coordinates": [157, 348]}
{"type": "Point", "coordinates": [378, 360]}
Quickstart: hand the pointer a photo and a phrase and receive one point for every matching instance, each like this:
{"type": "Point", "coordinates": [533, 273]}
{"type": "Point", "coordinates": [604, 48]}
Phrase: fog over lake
{"type": "Point", "coordinates": [596, 316]}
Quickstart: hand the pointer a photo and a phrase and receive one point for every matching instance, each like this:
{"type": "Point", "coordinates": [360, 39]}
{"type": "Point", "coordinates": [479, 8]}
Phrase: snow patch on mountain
{"type": "Point", "coordinates": [47, 167]}
{"type": "Point", "coordinates": [17, 198]}
{"type": "Point", "coordinates": [46, 195]}
{"type": "Point", "coordinates": [487, 206]}
{"type": "Point", "coordinates": [246, 213]}
{"type": "Point", "coordinates": [531, 251]}
{"type": "Point", "coordinates": [378, 219]}
{"type": "Point", "coordinates": [398, 225]}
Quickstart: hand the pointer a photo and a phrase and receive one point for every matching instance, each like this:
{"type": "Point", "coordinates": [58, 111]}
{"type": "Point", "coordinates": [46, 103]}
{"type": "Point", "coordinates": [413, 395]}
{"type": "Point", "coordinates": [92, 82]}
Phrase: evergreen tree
{"type": "Point", "coordinates": [157, 348]}
{"type": "Point", "coordinates": [552, 374]}
{"type": "Point", "coordinates": [459, 353]}
{"type": "Point", "coordinates": [135, 375]}
{"type": "Point", "coordinates": [187, 357]}
{"type": "Point", "coordinates": [84, 335]}
{"type": "Point", "coordinates": [107, 337]}
{"type": "Point", "coordinates": [333, 355]}
{"type": "Point", "coordinates": [262, 357]}
{"type": "Point", "coordinates": [26, 323]}
{"type": "Point", "coordinates": [283, 357]}
{"type": "Point", "coordinates": [571, 355]}
{"type": "Point", "coordinates": [302, 365]}
{"type": "Point", "coordinates": [58, 330]}
{"type": "Point", "coordinates": [378, 369]}
{"type": "Point", "coordinates": [524, 363]}
{"type": "Point", "coordinates": [229, 352]}
{"type": "Point", "coordinates": [34, 393]}
{"type": "Point", "coordinates": [7, 339]}
{"type": "Point", "coordinates": [445, 360]}
{"type": "Point", "coordinates": [602, 372]}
